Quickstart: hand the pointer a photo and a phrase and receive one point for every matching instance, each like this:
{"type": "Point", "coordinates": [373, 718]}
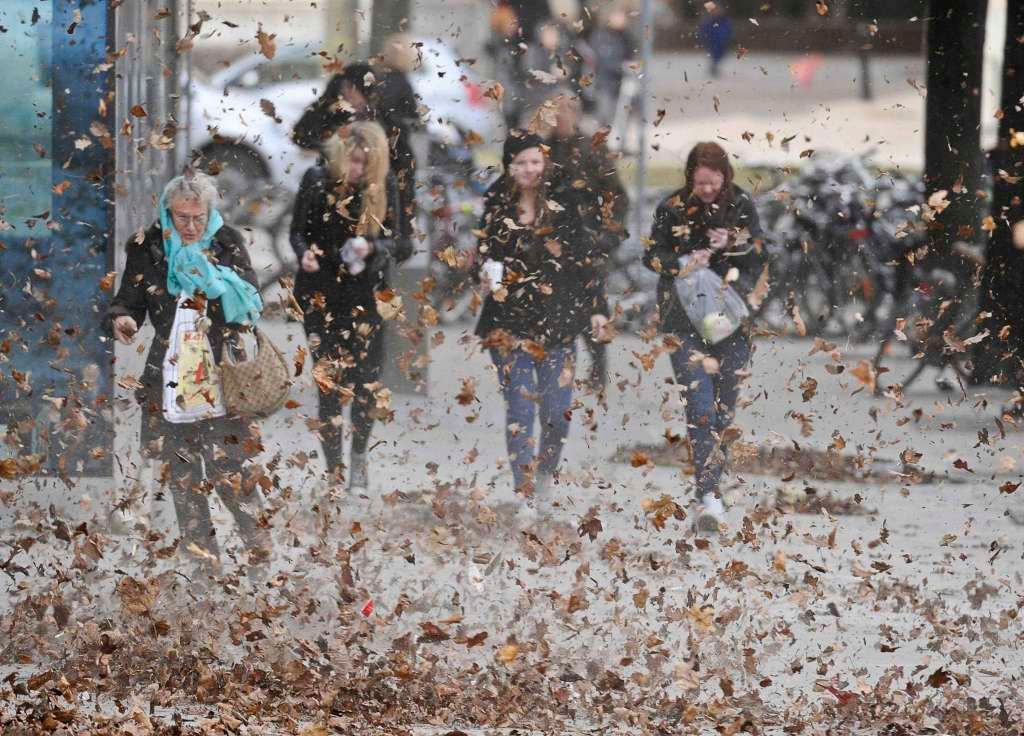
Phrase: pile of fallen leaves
{"type": "Point", "coordinates": [783, 462]}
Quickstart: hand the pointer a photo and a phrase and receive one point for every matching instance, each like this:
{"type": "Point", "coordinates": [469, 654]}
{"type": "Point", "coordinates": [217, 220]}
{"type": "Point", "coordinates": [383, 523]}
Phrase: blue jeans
{"type": "Point", "coordinates": [710, 400]}
{"type": "Point", "coordinates": [526, 383]}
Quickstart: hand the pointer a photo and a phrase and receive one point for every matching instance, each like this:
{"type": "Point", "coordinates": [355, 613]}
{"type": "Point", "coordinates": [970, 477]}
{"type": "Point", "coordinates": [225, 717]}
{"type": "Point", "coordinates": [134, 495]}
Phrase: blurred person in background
{"type": "Point", "coordinates": [715, 34]}
{"type": "Point", "coordinates": [714, 222]}
{"type": "Point", "coordinates": [585, 165]}
{"type": "Point", "coordinates": [361, 93]}
{"type": "Point", "coordinates": [542, 292]}
{"type": "Point", "coordinates": [507, 49]}
{"type": "Point", "coordinates": [556, 58]}
{"type": "Point", "coordinates": [530, 15]}
{"type": "Point", "coordinates": [346, 232]}
{"type": "Point", "coordinates": [612, 48]}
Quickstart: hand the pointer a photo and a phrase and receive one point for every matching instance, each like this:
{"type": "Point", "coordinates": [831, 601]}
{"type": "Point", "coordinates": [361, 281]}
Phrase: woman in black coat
{"type": "Point", "coordinates": [537, 265]}
{"type": "Point", "coordinates": [711, 222]}
{"type": "Point", "coordinates": [190, 256]}
{"type": "Point", "coordinates": [346, 232]}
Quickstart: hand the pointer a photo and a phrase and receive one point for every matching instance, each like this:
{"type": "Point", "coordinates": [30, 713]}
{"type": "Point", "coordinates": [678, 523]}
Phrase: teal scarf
{"type": "Point", "coordinates": [190, 270]}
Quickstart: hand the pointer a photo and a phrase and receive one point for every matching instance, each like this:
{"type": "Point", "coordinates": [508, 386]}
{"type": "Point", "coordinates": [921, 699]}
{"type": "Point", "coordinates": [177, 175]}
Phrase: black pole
{"type": "Point", "coordinates": [953, 160]}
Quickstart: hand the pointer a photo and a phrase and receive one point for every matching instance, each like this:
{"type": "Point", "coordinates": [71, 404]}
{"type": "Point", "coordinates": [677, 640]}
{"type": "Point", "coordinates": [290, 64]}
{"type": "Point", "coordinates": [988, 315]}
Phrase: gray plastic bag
{"type": "Point", "coordinates": [713, 307]}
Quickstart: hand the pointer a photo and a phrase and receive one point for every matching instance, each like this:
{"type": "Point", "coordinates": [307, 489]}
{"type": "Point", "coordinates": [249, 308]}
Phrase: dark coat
{"type": "Point", "coordinates": [391, 105]}
{"type": "Point", "coordinates": [316, 221]}
{"type": "Point", "coordinates": [550, 271]}
{"type": "Point", "coordinates": [681, 224]}
{"type": "Point", "coordinates": [590, 171]}
{"type": "Point", "coordinates": [143, 293]}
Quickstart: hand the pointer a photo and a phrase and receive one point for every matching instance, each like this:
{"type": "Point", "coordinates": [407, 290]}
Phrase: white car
{"type": "Point", "coordinates": [243, 115]}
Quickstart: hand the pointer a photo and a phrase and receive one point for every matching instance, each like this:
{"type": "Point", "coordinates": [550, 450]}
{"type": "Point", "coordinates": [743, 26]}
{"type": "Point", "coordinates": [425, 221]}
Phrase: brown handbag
{"type": "Point", "coordinates": [255, 387]}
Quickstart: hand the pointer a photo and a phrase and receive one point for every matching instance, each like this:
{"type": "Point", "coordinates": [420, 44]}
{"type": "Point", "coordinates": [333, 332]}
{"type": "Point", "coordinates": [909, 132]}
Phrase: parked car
{"type": "Point", "coordinates": [243, 115]}
{"type": "Point", "coordinates": [242, 118]}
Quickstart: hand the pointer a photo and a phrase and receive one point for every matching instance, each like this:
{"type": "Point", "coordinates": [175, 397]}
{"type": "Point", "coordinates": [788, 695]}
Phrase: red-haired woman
{"type": "Point", "coordinates": [708, 222]}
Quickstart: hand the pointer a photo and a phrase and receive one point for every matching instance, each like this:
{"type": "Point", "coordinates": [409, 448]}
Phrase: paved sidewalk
{"type": "Point", "coordinates": [899, 583]}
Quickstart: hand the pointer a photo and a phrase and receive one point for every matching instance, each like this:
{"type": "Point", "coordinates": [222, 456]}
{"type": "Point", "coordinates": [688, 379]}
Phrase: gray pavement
{"type": "Point", "coordinates": [908, 580]}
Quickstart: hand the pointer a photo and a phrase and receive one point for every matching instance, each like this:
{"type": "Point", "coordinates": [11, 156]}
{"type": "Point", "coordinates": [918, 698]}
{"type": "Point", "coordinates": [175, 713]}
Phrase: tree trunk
{"type": "Point", "coordinates": [953, 160]}
{"type": "Point", "coordinates": [999, 357]}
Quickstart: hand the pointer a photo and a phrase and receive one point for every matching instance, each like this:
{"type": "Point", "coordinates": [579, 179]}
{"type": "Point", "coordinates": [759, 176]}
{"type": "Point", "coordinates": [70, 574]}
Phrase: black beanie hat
{"type": "Point", "coordinates": [517, 142]}
{"type": "Point", "coordinates": [360, 75]}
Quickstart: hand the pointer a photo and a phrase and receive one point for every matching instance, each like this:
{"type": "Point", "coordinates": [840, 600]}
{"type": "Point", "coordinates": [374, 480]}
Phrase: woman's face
{"type": "Point", "coordinates": [356, 166]}
{"type": "Point", "coordinates": [527, 168]}
{"type": "Point", "coordinates": [707, 184]}
{"type": "Point", "coordinates": [189, 217]}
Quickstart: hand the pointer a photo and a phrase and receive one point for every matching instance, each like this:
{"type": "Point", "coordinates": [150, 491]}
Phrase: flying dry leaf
{"type": "Point", "coordinates": [865, 373]}
{"type": "Point", "coordinates": [269, 110]}
{"type": "Point", "coordinates": [268, 46]}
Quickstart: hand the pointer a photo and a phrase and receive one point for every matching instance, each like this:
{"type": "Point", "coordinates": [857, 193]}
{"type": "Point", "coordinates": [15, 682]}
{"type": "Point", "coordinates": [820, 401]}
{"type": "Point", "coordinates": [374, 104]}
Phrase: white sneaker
{"type": "Point", "coordinates": [709, 514]}
{"type": "Point", "coordinates": [526, 515]}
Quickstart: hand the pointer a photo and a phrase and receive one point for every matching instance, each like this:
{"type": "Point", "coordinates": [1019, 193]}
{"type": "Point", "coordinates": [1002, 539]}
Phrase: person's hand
{"type": "Point", "coordinates": [361, 247]}
{"type": "Point", "coordinates": [701, 258]}
{"type": "Point", "coordinates": [310, 264]}
{"type": "Point", "coordinates": [601, 328]}
{"type": "Point", "coordinates": [719, 238]}
{"type": "Point", "coordinates": [125, 329]}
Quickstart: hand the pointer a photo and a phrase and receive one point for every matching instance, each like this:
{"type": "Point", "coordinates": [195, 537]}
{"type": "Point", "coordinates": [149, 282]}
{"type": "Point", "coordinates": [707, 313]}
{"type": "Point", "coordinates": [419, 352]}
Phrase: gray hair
{"type": "Point", "coordinates": [192, 185]}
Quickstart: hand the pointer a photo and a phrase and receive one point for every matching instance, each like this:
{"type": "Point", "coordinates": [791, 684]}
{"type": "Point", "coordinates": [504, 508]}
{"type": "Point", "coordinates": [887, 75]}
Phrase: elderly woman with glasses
{"type": "Point", "coordinates": [190, 259]}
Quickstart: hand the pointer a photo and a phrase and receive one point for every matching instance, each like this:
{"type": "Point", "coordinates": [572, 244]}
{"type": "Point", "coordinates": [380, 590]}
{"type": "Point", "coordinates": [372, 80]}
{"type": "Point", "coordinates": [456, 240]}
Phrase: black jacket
{"type": "Point", "coordinates": [550, 271]}
{"type": "Point", "coordinates": [681, 224]}
{"type": "Point", "coordinates": [316, 221]}
{"type": "Point", "coordinates": [590, 171]}
{"type": "Point", "coordinates": [143, 293]}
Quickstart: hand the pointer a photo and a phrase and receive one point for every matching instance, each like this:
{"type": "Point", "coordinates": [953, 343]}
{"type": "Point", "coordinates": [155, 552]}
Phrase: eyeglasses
{"type": "Point", "coordinates": [181, 220]}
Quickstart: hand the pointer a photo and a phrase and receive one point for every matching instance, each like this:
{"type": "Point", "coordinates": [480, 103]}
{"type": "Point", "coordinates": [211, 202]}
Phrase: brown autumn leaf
{"type": "Point", "coordinates": [269, 110]}
{"type": "Point", "coordinates": [508, 653]}
{"type": "Point", "coordinates": [268, 46]}
{"type": "Point", "coordinates": [798, 322]}
{"type": "Point", "coordinates": [865, 373]}
{"type": "Point", "coordinates": [534, 349]}
{"type": "Point", "coordinates": [300, 360]}
{"type": "Point", "coordinates": [1009, 487]}
{"type": "Point", "coordinates": [467, 395]}
{"type": "Point", "coordinates": [138, 111]}
{"type": "Point", "coordinates": [910, 457]}
{"type": "Point", "coordinates": [138, 596]}
{"type": "Point", "coordinates": [496, 92]}
{"type": "Point", "coordinates": [822, 7]}
{"type": "Point", "coordinates": [639, 459]}
{"type": "Point", "coordinates": [62, 187]}
{"type": "Point", "coordinates": [107, 282]}
{"type": "Point", "coordinates": [809, 387]}
{"type": "Point", "coordinates": [432, 633]}
{"type": "Point", "coordinates": [476, 640]}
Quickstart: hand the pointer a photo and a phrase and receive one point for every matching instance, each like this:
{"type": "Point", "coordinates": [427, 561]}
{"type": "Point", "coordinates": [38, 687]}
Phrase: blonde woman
{"type": "Point", "coordinates": [346, 233]}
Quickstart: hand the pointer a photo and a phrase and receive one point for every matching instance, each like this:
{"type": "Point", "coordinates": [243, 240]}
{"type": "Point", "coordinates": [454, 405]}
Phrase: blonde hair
{"type": "Point", "coordinates": [368, 137]}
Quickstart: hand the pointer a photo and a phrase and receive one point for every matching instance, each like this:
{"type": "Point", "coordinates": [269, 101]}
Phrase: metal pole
{"type": "Point", "coordinates": [188, 87]}
{"type": "Point", "coordinates": [646, 51]}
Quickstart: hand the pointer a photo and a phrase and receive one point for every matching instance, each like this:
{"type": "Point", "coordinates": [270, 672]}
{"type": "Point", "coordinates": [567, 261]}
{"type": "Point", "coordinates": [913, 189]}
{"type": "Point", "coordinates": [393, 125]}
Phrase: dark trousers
{"type": "Point", "coordinates": [200, 457]}
{"type": "Point", "coordinates": [710, 399]}
{"type": "Point", "coordinates": [353, 362]}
